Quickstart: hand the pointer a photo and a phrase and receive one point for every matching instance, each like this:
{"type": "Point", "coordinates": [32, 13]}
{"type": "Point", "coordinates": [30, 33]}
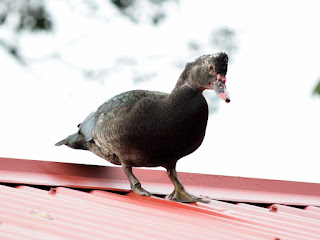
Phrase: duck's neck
{"type": "Point", "coordinates": [188, 112]}
{"type": "Point", "coordinates": [184, 96]}
{"type": "Point", "coordinates": [185, 88]}
{"type": "Point", "coordinates": [185, 79]}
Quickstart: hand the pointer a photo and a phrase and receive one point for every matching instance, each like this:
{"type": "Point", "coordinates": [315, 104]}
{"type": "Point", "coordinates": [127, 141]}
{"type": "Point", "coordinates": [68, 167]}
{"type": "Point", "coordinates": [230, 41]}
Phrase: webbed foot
{"type": "Point", "coordinates": [179, 194]}
{"type": "Point", "coordinates": [141, 191]}
{"type": "Point", "coordinates": [184, 197]}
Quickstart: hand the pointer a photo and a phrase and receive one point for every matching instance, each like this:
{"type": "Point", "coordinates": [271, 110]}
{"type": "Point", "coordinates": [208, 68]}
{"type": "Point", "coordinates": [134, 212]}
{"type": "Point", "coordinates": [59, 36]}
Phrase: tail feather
{"type": "Point", "coordinates": [76, 141]}
{"type": "Point", "coordinates": [62, 142]}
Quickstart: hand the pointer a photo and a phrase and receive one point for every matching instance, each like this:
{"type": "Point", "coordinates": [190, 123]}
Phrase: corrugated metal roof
{"type": "Point", "coordinates": [33, 207]}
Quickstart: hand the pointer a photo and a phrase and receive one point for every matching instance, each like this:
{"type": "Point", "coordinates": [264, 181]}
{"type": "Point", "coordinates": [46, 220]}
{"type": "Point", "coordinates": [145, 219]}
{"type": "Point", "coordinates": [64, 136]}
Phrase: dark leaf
{"type": "Point", "coordinates": [34, 17]}
{"type": "Point", "coordinates": [316, 90]}
{"type": "Point", "coordinates": [123, 4]}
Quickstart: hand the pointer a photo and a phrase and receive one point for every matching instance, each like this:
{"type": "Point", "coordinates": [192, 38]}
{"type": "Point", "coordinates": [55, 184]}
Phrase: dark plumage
{"type": "Point", "coordinates": [148, 129]}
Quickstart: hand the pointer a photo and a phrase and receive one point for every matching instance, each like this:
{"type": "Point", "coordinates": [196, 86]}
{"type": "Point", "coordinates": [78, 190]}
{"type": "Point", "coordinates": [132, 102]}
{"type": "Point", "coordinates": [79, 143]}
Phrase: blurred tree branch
{"type": "Point", "coordinates": [13, 50]}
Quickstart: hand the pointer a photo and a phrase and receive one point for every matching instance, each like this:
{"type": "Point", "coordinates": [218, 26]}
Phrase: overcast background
{"type": "Point", "coordinates": [61, 65]}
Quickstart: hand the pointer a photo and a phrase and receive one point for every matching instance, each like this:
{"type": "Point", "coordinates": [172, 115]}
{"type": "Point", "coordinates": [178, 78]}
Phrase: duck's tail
{"type": "Point", "coordinates": [76, 141]}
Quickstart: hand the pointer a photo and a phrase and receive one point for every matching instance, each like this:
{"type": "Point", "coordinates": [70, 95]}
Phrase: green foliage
{"type": "Point", "coordinates": [123, 4]}
{"type": "Point", "coordinates": [316, 90]}
{"type": "Point", "coordinates": [22, 15]}
{"type": "Point", "coordinates": [3, 12]}
{"type": "Point", "coordinates": [138, 11]}
{"type": "Point", "coordinates": [32, 15]}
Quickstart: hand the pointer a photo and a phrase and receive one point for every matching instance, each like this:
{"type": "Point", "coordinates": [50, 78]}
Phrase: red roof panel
{"type": "Point", "coordinates": [44, 208]}
{"type": "Point", "coordinates": [228, 188]}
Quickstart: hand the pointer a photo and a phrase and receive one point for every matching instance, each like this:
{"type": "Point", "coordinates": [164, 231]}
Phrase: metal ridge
{"type": "Point", "coordinates": [237, 189]}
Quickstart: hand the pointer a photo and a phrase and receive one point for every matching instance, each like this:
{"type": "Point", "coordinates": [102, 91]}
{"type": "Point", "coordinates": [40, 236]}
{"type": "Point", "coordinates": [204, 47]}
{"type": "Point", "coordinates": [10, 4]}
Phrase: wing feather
{"type": "Point", "coordinates": [87, 126]}
{"type": "Point", "coordinates": [123, 99]}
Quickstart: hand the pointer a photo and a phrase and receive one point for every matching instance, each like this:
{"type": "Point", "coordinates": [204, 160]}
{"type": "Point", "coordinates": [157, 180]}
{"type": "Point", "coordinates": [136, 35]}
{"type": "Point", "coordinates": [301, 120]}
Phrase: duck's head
{"type": "Point", "coordinates": [208, 72]}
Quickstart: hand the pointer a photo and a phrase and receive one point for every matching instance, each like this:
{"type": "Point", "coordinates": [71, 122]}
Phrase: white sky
{"type": "Point", "coordinates": [271, 128]}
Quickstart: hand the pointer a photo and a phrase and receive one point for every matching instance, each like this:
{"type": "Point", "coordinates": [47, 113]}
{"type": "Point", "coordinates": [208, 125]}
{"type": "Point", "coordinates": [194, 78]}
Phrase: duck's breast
{"type": "Point", "coordinates": [159, 131]}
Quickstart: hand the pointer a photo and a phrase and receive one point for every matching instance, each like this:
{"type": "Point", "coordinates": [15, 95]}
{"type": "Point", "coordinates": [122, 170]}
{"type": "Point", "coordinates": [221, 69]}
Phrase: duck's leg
{"type": "Point", "coordinates": [134, 182]}
{"type": "Point", "coordinates": [179, 194]}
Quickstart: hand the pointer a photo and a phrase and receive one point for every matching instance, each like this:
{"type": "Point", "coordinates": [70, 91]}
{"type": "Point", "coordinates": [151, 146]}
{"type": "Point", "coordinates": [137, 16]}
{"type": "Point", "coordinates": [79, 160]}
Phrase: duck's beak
{"type": "Point", "coordinates": [224, 96]}
{"type": "Point", "coordinates": [219, 86]}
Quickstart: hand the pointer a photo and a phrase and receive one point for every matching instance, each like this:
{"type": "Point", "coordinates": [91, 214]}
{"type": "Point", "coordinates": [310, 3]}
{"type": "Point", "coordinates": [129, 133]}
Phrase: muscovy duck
{"type": "Point", "coordinates": [142, 128]}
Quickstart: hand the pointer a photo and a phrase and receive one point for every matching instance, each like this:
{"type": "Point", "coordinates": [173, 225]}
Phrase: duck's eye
{"type": "Point", "coordinates": [220, 85]}
{"type": "Point", "coordinates": [211, 67]}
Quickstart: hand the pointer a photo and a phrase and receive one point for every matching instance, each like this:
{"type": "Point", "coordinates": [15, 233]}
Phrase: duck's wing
{"type": "Point", "coordinates": [111, 108]}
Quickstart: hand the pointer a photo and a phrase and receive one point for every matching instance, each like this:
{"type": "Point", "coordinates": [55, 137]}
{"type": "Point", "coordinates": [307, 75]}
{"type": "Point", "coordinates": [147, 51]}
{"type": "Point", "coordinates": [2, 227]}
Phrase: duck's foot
{"type": "Point", "coordinates": [184, 197]}
{"type": "Point", "coordinates": [141, 191]}
{"type": "Point", "coordinates": [179, 194]}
